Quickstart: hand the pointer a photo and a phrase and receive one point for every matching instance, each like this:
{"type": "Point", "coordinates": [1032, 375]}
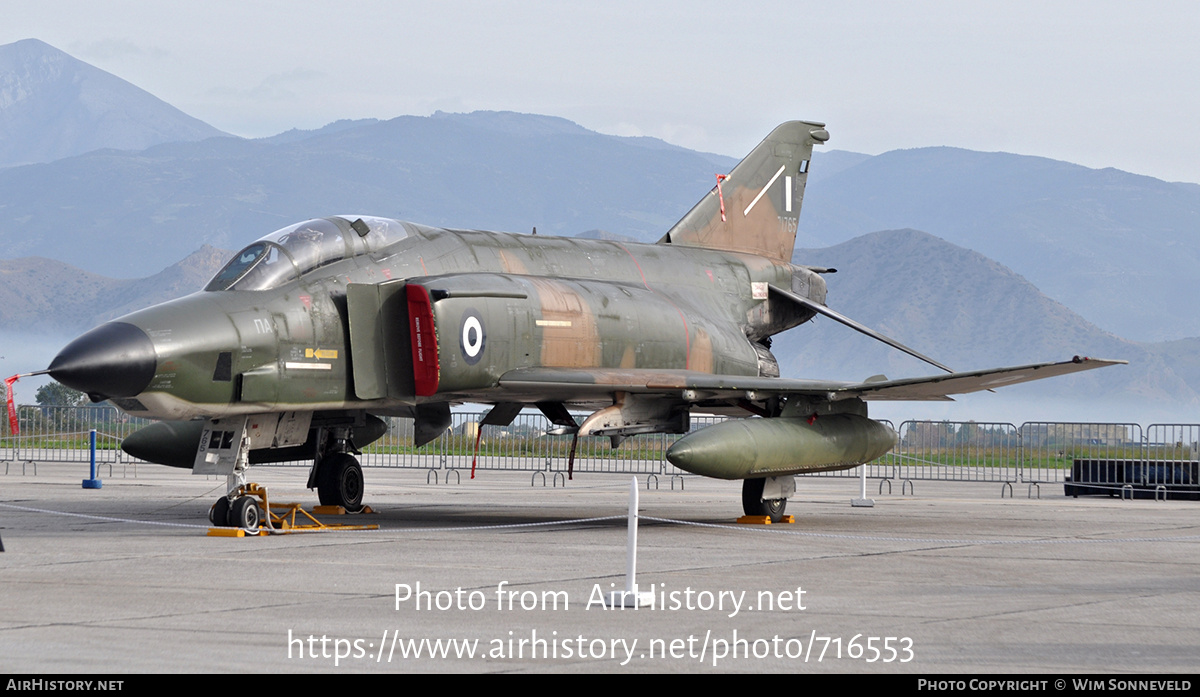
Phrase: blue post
{"type": "Point", "coordinates": [94, 482]}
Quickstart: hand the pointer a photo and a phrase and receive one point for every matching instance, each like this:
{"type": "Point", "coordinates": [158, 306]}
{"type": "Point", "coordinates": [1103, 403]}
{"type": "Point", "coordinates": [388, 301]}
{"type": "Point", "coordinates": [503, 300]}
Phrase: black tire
{"type": "Point", "coordinates": [754, 504]}
{"type": "Point", "coordinates": [218, 515]}
{"type": "Point", "coordinates": [244, 513]}
{"type": "Point", "coordinates": [340, 482]}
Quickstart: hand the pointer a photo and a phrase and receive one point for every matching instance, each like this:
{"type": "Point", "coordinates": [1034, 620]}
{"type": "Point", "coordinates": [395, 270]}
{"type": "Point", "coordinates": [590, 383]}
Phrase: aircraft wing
{"type": "Point", "coordinates": [940, 387]}
{"type": "Point", "coordinates": [569, 384]}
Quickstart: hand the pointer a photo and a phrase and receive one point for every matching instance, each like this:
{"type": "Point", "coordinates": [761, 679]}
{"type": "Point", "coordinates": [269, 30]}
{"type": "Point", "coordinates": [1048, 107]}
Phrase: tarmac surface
{"type": "Point", "coordinates": [952, 579]}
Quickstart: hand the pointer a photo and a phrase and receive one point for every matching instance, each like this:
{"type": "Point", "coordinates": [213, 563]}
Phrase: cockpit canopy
{"type": "Point", "coordinates": [286, 255]}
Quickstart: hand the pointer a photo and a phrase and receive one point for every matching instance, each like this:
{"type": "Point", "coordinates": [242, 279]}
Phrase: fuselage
{"type": "Point", "coordinates": [272, 331]}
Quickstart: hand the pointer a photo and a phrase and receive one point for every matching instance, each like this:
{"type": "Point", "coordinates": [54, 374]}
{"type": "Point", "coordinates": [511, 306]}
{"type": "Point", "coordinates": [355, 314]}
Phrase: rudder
{"type": "Point", "coordinates": [762, 197]}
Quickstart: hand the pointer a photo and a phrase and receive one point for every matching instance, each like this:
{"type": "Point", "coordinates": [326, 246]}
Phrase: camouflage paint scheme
{"type": "Point", "coordinates": [350, 317]}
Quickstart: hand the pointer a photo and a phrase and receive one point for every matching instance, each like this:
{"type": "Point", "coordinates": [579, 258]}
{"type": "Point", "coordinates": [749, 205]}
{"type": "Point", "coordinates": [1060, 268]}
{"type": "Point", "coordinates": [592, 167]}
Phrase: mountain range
{"type": "Point", "coordinates": [54, 106]}
{"type": "Point", "coordinates": [80, 234]}
{"type": "Point", "coordinates": [119, 212]}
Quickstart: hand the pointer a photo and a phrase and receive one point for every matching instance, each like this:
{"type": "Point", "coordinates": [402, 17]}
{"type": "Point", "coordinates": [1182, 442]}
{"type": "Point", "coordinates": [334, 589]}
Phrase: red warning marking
{"type": "Point", "coordinates": [721, 196]}
{"type": "Point", "coordinates": [478, 437]}
{"type": "Point", "coordinates": [14, 423]}
{"type": "Point", "coordinates": [424, 340]}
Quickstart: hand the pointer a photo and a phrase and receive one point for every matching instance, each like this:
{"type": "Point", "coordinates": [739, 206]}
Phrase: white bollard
{"type": "Point", "coordinates": [862, 501]}
{"type": "Point", "coordinates": [630, 597]}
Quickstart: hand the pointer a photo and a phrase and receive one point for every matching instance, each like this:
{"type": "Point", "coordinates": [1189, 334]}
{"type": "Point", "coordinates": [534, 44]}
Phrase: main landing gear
{"type": "Point", "coordinates": [336, 473]}
{"type": "Point", "coordinates": [340, 481]}
{"type": "Point", "coordinates": [753, 503]}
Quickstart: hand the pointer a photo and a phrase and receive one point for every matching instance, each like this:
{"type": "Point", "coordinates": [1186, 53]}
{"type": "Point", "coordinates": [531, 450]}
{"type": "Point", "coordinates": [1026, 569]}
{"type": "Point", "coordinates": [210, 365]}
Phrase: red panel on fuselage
{"type": "Point", "coordinates": [424, 341]}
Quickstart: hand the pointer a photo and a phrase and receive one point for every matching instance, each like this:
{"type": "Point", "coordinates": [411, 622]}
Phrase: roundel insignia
{"type": "Point", "coordinates": [472, 337]}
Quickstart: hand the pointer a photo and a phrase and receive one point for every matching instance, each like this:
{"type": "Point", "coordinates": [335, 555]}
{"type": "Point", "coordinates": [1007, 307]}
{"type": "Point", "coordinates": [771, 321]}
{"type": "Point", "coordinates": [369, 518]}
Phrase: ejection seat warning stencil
{"type": "Point", "coordinates": [220, 442]}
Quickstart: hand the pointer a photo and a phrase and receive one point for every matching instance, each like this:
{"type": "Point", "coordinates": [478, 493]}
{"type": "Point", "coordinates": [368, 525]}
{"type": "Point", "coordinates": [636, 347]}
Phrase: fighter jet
{"type": "Point", "coordinates": [297, 347]}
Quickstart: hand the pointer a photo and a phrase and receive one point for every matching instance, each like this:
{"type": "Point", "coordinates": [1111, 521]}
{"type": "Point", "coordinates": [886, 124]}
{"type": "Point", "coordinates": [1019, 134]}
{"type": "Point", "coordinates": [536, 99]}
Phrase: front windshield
{"type": "Point", "coordinates": [260, 266]}
{"type": "Point", "coordinates": [282, 256]}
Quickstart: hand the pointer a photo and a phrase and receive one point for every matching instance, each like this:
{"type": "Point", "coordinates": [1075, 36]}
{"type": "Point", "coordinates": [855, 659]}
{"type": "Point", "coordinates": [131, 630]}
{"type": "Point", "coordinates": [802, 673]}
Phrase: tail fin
{"type": "Point", "coordinates": [761, 198]}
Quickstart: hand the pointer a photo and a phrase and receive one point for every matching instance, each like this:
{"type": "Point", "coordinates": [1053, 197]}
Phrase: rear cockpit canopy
{"type": "Point", "coordinates": [286, 255]}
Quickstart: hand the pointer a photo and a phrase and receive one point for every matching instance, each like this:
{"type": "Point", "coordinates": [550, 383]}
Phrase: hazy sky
{"type": "Point", "coordinates": [1104, 84]}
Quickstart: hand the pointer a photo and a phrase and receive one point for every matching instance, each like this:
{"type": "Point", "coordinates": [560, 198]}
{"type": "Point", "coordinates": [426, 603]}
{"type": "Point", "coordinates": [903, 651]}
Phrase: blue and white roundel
{"type": "Point", "coordinates": [472, 337]}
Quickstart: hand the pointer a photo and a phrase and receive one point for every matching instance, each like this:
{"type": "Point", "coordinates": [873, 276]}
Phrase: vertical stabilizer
{"type": "Point", "coordinates": [761, 198]}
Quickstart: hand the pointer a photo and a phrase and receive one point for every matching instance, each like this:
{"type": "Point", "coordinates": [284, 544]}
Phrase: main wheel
{"type": "Point", "coordinates": [218, 515]}
{"type": "Point", "coordinates": [754, 504]}
{"type": "Point", "coordinates": [340, 481]}
{"type": "Point", "coordinates": [244, 513]}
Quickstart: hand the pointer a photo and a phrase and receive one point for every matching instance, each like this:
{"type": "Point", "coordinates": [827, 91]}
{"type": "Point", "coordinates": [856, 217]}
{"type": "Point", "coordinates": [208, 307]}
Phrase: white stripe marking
{"type": "Point", "coordinates": [307, 366]}
{"type": "Point", "coordinates": [764, 190]}
{"type": "Point", "coordinates": [787, 194]}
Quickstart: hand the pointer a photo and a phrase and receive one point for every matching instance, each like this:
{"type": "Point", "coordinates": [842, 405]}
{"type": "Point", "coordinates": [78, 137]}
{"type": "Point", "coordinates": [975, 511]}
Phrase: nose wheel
{"type": "Point", "coordinates": [219, 513]}
{"type": "Point", "coordinates": [243, 513]}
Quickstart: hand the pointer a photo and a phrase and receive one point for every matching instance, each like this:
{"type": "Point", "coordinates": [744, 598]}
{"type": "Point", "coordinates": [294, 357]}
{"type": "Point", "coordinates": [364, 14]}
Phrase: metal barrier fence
{"type": "Point", "coordinates": [1177, 444]}
{"type": "Point", "coordinates": [1036, 452]}
{"type": "Point", "coordinates": [1051, 448]}
{"type": "Point", "coordinates": [60, 434]}
{"type": "Point", "coordinates": [949, 451]}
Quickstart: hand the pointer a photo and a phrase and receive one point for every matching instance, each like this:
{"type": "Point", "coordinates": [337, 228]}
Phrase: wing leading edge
{"type": "Point", "coordinates": [571, 383]}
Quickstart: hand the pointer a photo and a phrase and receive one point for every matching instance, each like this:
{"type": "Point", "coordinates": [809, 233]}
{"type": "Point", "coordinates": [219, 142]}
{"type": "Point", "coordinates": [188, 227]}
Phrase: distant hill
{"type": "Point", "coordinates": [124, 213]}
{"type": "Point", "coordinates": [969, 312]}
{"type": "Point", "coordinates": [827, 163]}
{"type": "Point", "coordinates": [43, 296]}
{"type": "Point", "coordinates": [295, 134]}
{"type": "Point", "coordinates": [1118, 248]}
{"type": "Point", "coordinates": [54, 106]}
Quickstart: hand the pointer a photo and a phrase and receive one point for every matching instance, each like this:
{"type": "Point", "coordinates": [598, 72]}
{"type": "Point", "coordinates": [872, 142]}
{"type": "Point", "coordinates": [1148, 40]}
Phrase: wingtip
{"type": "Point", "coordinates": [1104, 361]}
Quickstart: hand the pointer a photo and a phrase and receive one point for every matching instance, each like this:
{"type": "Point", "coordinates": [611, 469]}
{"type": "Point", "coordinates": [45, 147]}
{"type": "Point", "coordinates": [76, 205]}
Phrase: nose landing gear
{"type": "Point", "coordinates": [252, 513]}
{"type": "Point", "coordinates": [242, 511]}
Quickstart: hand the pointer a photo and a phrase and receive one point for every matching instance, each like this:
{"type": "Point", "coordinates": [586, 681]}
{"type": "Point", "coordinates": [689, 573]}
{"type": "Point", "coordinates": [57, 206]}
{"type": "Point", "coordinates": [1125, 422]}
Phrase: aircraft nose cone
{"type": "Point", "coordinates": [115, 359]}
